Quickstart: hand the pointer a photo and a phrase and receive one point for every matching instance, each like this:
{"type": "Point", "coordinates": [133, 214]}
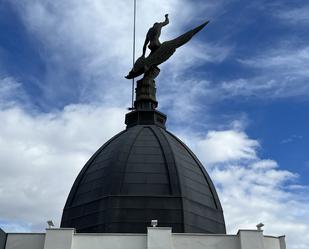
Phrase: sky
{"type": "Point", "coordinates": [236, 94]}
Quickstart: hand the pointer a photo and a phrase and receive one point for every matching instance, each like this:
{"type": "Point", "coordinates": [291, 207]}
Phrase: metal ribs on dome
{"type": "Point", "coordinates": [143, 173]}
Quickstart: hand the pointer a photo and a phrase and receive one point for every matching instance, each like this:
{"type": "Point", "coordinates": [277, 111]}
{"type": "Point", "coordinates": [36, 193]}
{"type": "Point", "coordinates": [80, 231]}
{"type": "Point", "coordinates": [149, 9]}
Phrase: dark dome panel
{"type": "Point", "coordinates": [201, 204]}
{"type": "Point", "coordinates": [146, 172]}
{"type": "Point", "coordinates": [143, 173]}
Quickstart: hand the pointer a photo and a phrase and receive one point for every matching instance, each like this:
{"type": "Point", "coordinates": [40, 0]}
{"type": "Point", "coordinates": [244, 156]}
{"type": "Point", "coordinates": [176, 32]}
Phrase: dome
{"type": "Point", "coordinates": [143, 173]}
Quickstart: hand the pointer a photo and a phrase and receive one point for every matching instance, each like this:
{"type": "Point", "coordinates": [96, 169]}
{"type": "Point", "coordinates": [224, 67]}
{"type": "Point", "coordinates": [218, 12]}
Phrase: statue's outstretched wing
{"type": "Point", "coordinates": [163, 53]}
{"type": "Point", "coordinates": [168, 48]}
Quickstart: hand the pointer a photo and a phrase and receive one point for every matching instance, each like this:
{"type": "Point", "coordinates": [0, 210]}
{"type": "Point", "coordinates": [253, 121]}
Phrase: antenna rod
{"type": "Point", "coordinates": [134, 22]}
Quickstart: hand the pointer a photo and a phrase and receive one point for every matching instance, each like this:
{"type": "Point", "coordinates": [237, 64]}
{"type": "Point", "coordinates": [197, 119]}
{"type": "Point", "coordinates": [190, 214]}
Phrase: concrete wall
{"type": "Point", "coordinates": [195, 241]}
{"type": "Point", "coordinates": [156, 238]}
{"type": "Point", "coordinates": [250, 238]}
{"type": "Point", "coordinates": [159, 238]}
{"type": "Point", "coordinates": [25, 241]}
{"type": "Point", "coordinates": [271, 242]}
{"type": "Point", "coordinates": [61, 238]}
{"type": "Point", "coordinates": [109, 241]}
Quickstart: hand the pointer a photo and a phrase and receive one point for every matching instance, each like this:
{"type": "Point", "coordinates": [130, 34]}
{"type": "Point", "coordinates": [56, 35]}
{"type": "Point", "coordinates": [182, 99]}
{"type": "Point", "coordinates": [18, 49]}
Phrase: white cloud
{"type": "Point", "coordinates": [278, 73]}
{"type": "Point", "coordinates": [291, 139]}
{"type": "Point", "coordinates": [294, 15]}
{"type": "Point", "coordinates": [222, 146]}
{"type": "Point", "coordinates": [41, 155]}
{"type": "Point", "coordinates": [288, 61]}
{"type": "Point", "coordinates": [267, 86]}
{"type": "Point", "coordinates": [11, 92]}
{"type": "Point", "coordinates": [254, 190]}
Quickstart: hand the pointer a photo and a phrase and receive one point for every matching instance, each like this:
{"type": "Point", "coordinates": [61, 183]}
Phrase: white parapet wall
{"type": "Point", "coordinates": [156, 238]}
{"type": "Point", "coordinates": [110, 241]}
{"type": "Point", "coordinates": [203, 241]}
{"type": "Point", "coordinates": [25, 241]}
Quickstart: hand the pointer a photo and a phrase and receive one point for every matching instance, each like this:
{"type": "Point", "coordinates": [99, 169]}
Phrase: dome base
{"type": "Point", "coordinates": [145, 117]}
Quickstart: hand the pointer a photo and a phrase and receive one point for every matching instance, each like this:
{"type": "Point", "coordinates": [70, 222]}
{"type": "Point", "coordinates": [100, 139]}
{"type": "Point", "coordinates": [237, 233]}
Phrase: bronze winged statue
{"type": "Point", "coordinates": [160, 52]}
{"type": "Point", "coordinates": [146, 89]}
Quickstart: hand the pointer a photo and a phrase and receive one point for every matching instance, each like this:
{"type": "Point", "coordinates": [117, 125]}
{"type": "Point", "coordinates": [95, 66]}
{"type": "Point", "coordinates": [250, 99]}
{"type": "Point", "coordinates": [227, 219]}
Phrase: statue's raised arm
{"type": "Point", "coordinates": [167, 21]}
{"type": "Point", "coordinates": [153, 35]}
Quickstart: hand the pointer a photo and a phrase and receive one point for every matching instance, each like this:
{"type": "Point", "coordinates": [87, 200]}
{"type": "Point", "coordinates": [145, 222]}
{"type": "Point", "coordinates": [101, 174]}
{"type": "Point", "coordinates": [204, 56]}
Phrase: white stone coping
{"type": "Point", "coordinates": [110, 234]}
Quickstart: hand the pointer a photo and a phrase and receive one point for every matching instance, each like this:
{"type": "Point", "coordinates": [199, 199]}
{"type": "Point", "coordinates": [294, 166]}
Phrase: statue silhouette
{"type": "Point", "coordinates": [153, 35]}
{"type": "Point", "coordinates": [159, 52]}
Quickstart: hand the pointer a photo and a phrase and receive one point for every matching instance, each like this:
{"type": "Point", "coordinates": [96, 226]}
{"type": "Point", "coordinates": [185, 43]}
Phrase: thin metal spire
{"type": "Point", "coordinates": [134, 24]}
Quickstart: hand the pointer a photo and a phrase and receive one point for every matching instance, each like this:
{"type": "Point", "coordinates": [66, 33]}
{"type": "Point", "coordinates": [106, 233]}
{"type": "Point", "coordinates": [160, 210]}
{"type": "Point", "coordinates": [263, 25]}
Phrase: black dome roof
{"type": "Point", "coordinates": [143, 173]}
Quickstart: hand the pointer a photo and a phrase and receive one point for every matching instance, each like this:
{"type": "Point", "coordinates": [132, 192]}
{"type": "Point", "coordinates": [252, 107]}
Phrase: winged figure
{"type": "Point", "coordinates": [160, 52]}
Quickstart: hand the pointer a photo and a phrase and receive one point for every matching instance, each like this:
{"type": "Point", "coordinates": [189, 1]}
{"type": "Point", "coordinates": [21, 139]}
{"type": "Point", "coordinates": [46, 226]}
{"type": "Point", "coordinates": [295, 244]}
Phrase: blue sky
{"type": "Point", "coordinates": [237, 94]}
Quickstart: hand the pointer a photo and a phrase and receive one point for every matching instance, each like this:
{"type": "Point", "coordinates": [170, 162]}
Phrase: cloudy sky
{"type": "Point", "coordinates": [237, 94]}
